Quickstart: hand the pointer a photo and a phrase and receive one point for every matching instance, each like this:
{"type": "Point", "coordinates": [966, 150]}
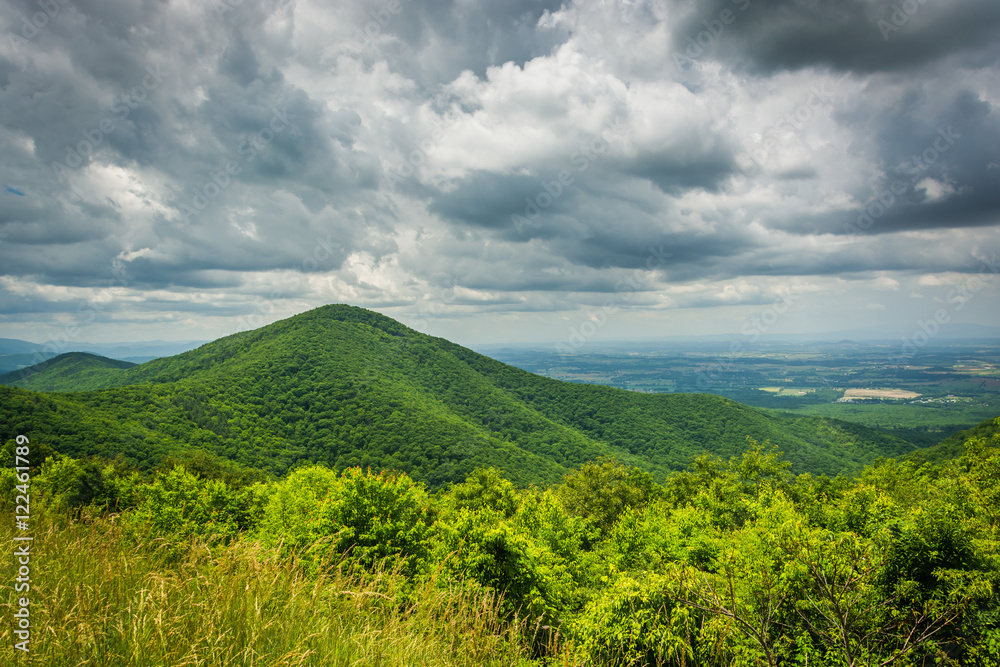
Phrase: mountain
{"type": "Point", "coordinates": [346, 386]}
{"type": "Point", "coordinates": [13, 362]}
{"type": "Point", "coordinates": [17, 354]}
{"type": "Point", "coordinates": [15, 346]}
{"type": "Point", "coordinates": [142, 351]}
{"type": "Point", "coordinates": [953, 446]}
{"type": "Point", "coordinates": [66, 372]}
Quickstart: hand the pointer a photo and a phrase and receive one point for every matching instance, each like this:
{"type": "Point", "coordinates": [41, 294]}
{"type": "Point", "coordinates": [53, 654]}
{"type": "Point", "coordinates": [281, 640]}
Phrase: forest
{"type": "Point", "coordinates": [347, 387]}
{"type": "Point", "coordinates": [728, 562]}
{"type": "Point", "coordinates": [339, 489]}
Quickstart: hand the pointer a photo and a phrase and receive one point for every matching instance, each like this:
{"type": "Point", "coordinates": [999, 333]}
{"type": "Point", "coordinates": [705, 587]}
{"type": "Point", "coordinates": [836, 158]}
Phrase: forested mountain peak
{"type": "Point", "coordinates": [332, 331]}
{"type": "Point", "coordinates": [342, 312]}
{"type": "Point", "coordinates": [346, 386]}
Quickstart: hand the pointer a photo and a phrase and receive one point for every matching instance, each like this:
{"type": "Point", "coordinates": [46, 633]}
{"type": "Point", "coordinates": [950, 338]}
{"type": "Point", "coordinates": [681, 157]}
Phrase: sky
{"type": "Point", "coordinates": [498, 171]}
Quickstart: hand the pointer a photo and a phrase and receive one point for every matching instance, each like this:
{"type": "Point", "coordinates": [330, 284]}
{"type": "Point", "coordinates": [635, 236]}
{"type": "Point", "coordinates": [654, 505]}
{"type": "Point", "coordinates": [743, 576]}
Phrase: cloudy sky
{"type": "Point", "coordinates": [490, 171]}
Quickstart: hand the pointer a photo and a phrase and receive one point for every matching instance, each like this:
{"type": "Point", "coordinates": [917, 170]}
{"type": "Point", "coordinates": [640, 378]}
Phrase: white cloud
{"type": "Point", "coordinates": [935, 190]}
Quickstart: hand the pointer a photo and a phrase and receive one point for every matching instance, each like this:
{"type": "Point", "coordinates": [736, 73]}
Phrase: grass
{"type": "Point", "coordinates": [100, 596]}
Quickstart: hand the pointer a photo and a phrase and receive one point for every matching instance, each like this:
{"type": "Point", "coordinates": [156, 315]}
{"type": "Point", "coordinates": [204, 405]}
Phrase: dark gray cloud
{"type": "Point", "coordinates": [676, 171]}
{"type": "Point", "coordinates": [861, 36]}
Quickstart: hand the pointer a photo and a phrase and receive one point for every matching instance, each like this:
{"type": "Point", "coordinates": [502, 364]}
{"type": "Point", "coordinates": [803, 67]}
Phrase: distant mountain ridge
{"type": "Point", "coordinates": [15, 346]}
{"type": "Point", "coordinates": [18, 354]}
{"type": "Point", "coordinates": [347, 386]}
{"type": "Point", "coordinates": [65, 372]}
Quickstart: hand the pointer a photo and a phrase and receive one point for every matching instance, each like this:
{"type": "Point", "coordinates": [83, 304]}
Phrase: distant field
{"type": "Point", "coordinates": [943, 390]}
{"type": "Point", "coordinates": [923, 424]}
{"type": "Point", "coordinates": [789, 391]}
{"type": "Point", "coordinates": [880, 393]}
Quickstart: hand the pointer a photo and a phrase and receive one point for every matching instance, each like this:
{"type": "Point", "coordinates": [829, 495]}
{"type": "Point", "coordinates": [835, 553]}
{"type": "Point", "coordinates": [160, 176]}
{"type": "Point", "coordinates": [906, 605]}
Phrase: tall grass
{"type": "Point", "coordinates": [101, 597]}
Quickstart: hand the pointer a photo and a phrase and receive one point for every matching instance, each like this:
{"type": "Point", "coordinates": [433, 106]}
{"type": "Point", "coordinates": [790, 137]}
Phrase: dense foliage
{"type": "Point", "coordinates": [346, 387]}
{"type": "Point", "coordinates": [727, 562]}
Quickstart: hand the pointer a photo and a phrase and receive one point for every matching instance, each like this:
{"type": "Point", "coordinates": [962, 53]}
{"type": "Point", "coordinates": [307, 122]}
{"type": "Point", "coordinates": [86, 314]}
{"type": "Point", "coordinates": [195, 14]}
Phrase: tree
{"type": "Point", "coordinates": [484, 488]}
{"type": "Point", "coordinates": [366, 516]}
{"type": "Point", "coordinates": [178, 504]}
{"type": "Point", "coordinates": [602, 490]}
{"type": "Point", "coordinates": [485, 547]}
{"type": "Point", "coordinates": [71, 483]}
{"type": "Point", "coordinates": [746, 589]}
{"type": "Point", "coordinates": [637, 621]}
{"type": "Point", "coordinates": [857, 600]}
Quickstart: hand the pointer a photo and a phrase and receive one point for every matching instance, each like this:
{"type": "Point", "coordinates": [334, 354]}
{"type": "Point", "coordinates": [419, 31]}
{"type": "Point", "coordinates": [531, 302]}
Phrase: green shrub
{"type": "Point", "coordinates": [70, 483]}
{"type": "Point", "coordinates": [929, 543]}
{"type": "Point", "coordinates": [367, 516]}
{"type": "Point", "coordinates": [485, 488]}
{"type": "Point", "coordinates": [179, 504]}
{"type": "Point", "coordinates": [635, 622]}
{"type": "Point", "coordinates": [648, 538]}
{"type": "Point", "coordinates": [485, 547]}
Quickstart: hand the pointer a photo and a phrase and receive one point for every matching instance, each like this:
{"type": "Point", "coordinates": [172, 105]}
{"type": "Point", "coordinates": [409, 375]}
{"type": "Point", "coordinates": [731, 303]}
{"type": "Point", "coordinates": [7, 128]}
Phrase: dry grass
{"type": "Point", "coordinates": [100, 597]}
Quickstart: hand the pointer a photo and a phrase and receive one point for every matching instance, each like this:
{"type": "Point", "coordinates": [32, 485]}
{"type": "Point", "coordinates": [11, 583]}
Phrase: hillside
{"type": "Point", "coordinates": [953, 446]}
{"type": "Point", "coordinates": [346, 386]}
{"type": "Point", "coordinates": [73, 371]}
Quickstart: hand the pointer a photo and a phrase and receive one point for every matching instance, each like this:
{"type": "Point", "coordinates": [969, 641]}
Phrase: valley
{"type": "Point", "coordinates": [945, 388]}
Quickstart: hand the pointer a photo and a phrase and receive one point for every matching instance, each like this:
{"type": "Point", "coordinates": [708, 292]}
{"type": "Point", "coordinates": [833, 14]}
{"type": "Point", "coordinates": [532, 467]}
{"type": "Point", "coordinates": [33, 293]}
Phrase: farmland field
{"type": "Point", "coordinates": [941, 390]}
{"type": "Point", "coordinates": [879, 393]}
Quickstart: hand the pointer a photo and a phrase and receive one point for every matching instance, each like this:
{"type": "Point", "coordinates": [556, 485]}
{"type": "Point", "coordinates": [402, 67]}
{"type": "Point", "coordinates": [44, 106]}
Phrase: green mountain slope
{"type": "Point", "coordinates": [346, 386]}
{"type": "Point", "coordinates": [73, 371]}
{"type": "Point", "coordinates": [953, 446]}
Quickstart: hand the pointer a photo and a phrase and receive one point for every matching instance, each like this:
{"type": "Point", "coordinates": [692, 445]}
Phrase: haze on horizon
{"type": "Point", "coordinates": [497, 172]}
